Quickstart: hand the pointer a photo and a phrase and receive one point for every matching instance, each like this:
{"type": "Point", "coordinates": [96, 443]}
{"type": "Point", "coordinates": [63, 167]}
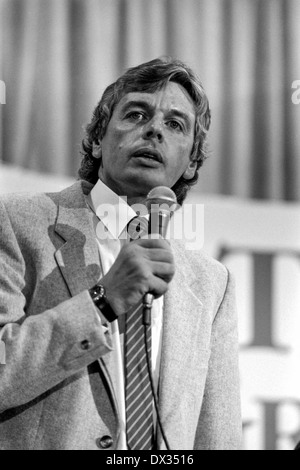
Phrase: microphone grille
{"type": "Point", "coordinates": [162, 193]}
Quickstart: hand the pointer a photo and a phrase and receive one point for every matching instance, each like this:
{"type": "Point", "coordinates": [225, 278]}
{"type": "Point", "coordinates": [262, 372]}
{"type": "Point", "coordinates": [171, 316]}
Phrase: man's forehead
{"type": "Point", "coordinates": [174, 93]}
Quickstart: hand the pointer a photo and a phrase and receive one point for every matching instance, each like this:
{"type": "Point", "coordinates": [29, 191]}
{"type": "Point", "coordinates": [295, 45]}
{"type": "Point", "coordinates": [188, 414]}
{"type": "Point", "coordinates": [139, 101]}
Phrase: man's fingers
{"type": "Point", "coordinates": [152, 243]}
{"type": "Point", "coordinates": [158, 287]}
{"type": "Point", "coordinates": [164, 271]}
{"type": "Point", "coordinates": [157, 254]}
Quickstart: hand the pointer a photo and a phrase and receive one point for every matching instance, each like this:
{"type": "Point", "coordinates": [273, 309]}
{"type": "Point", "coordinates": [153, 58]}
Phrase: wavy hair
{"type": "Point", "coordinates": [148, 77]}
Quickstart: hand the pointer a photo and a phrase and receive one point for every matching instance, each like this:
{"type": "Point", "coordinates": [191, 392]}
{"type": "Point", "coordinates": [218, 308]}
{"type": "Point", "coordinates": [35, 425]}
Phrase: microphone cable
{"type": "Point", "coordinates": [147, 306]}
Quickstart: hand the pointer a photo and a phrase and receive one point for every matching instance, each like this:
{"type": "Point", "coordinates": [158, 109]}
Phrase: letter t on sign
{"type": "Point", "coordinates": [263, 311]}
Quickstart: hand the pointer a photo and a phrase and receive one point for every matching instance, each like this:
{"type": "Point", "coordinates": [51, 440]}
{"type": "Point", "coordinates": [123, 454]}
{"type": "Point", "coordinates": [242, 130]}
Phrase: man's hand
{"type": "Point", "coordinates": [144, 265]}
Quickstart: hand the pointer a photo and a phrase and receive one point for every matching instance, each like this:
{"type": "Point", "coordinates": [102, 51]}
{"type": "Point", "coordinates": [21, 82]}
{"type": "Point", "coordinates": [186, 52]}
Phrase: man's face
{"type": "Point", "coordinates": [148, 141]}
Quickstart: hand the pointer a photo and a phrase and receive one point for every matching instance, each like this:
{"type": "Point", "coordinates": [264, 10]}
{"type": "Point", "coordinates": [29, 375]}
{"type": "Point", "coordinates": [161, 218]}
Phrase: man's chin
{"type": "Point", "coordinates": [143, 182]}
{"type": "Point", "coordinates": [135, 183]}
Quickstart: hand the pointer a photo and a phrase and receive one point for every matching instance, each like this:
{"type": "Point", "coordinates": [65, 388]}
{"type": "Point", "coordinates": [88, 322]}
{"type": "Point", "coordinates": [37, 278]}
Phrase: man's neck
{"type": "Point", "coordinates": [137, 200]}
{"type": "Point", "coordinates": [131, 200]}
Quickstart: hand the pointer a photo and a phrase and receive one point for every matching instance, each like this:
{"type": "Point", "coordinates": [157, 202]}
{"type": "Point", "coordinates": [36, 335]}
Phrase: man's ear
{"type": "Point", "coordinates": [190, 171]}
{"type": "Point", "coordinates": [97, 150]}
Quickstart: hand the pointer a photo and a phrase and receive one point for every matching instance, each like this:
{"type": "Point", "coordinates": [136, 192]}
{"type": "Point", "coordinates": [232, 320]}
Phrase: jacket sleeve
{"type": "Point", "coordinates": [220, 424]}
{"type": "Point", "coordinates": [44, 349]}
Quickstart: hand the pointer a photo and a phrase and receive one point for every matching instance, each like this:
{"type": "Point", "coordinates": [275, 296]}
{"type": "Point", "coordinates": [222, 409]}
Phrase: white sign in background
{"type": "Point", "coordinates": [260, 244]}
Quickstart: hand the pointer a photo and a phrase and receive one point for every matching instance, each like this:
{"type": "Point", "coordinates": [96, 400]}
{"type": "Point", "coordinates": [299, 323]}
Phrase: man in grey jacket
{"type": "Point", "coordinates": [69, 281]}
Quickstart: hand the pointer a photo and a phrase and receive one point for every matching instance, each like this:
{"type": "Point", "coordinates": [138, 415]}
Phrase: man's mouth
{"type": "Point", "coordinates": [150, 154]}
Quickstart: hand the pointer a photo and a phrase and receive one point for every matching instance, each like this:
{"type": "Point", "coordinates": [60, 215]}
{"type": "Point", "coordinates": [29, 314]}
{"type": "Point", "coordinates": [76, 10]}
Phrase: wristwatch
{"type": "Point", "coordinates": [98, 295]}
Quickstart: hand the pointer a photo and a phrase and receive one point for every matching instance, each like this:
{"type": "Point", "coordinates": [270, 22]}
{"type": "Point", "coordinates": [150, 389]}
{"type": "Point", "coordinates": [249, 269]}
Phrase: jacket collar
{"type": "Point", "coordinates": [77, 257]}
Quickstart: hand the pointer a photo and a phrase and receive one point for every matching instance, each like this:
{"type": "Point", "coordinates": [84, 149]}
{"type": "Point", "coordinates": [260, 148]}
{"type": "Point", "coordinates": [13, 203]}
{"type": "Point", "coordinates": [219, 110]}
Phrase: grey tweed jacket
{"type": "Point", "coordinates": [57, 387]}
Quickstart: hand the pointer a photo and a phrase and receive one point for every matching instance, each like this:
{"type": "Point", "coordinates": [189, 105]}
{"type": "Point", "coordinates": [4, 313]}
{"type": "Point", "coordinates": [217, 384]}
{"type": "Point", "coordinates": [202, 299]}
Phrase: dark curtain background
{"type": "Point", "coordinates": [57, 56]}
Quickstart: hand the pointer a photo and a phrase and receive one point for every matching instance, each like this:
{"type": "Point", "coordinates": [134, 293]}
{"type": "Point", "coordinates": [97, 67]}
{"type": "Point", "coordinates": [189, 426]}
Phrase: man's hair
{"type": "Point", "coordinates": [148, 77]}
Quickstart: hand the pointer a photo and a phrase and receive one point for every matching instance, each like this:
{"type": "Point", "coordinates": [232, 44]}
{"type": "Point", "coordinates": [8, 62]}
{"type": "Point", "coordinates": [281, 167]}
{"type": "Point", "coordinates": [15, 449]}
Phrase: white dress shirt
{"type": "Point", "coordinates": [111, 216]}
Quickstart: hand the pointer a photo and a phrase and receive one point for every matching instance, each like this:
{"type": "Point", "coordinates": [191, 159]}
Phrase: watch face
{"type": "Point", "coordinates": [101, 290]}
{"type": "Point", "coordinates": [98, 295]}
{"type": "Point", "coordinates": [98, 292]}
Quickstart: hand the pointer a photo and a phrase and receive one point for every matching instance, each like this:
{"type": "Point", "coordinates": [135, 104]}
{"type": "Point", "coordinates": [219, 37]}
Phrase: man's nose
{"type": "Point", "coordinates": [153, 130]}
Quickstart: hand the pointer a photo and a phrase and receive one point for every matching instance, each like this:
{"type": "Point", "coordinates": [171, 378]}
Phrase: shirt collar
{"type": "Point", "coordinates": [112, 210]}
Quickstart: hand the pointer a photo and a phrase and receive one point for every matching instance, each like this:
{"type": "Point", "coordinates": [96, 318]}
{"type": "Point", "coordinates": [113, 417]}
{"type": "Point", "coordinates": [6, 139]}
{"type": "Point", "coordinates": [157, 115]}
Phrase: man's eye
{"type": "Point", "coordinates": [175, 125]}
{"type": "Point", "coordinates": [135, 116]}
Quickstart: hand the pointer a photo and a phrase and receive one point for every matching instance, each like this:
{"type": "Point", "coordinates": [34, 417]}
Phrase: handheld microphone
{"type": "Point", "coordinates": [161, 203]}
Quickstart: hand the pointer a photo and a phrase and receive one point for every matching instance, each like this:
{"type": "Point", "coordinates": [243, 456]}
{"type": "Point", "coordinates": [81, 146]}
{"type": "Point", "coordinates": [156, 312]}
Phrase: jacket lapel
{"type": "Point", "coordinates": [77, 257]}
{"type": "Point", "coordinates": [180, 367]}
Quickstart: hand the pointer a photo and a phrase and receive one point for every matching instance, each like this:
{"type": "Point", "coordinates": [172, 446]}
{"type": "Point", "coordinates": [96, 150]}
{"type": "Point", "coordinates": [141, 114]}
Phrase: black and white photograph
{"type": "Point", "coordinates": [150, 227]}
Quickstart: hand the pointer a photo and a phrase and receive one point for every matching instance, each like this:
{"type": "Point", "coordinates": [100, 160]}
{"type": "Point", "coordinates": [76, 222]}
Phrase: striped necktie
{"type": "Point", "coordinates": [138, 392]}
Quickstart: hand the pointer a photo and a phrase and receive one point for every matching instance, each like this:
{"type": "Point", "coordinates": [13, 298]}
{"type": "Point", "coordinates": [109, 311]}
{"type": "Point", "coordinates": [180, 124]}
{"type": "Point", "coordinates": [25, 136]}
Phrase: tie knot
{"type": "Point", "coordinates": [137, 227]}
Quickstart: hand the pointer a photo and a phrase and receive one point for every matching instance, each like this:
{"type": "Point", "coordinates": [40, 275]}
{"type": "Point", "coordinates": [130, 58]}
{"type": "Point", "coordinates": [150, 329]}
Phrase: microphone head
{"type": "Point", "coordinates": [161, 203]}
{"type": "Point", "coordinates": [162, 195]}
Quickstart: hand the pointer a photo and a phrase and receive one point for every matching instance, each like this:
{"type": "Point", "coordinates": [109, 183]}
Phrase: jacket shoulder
{"type": "Point", "coordinates": [200, 260]}
{"type": "Point", "coordinates": [31, 207]}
